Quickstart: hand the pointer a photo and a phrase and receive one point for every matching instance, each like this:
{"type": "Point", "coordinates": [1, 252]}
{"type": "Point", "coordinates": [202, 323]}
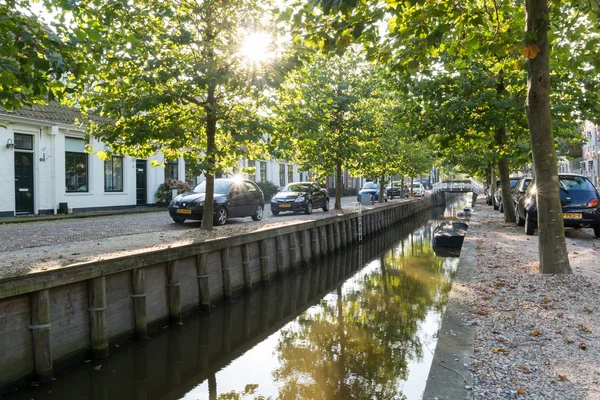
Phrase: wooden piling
{"type": "Point", "coordinates": [295, 258]}
{"type": "Point", "coordinates": [337, 235]}
{"type": "Point", "coordinates": [97, 310]}
{"type": "Point", "coordinates": [226, 273]}
{"type": "Point", "coordinates": [323, 242]}
{"type": "Point", "coordinates": [354, 229]}
{"type": "Point", "coordinates": [203, 289]}
{"type": "Point", "coordinates": [139, 302]}
{"type": "Point", "coordinates": [331, 238]}
{"type": "Point", "coordinates": [40, 332]}
{"type": "Point", "coordinates": [265, 274]}
{"type": "Point", "coordinates": [279, 254]}
{"type": "Point", "coordinates": [314, 240]}
{"type": "Point", "coordinates": [174, 291]}
{"type": "Point", "coordinates": [344, 233]}
{"type": "Point", "coordinates": [305, 248]}
{"type": "Point", "coordinates": [246, 268]}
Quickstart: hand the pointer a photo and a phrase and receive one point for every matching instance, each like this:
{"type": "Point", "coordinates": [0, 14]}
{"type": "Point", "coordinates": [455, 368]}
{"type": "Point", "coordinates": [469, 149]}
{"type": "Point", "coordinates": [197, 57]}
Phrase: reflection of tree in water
{"type": "Point", "coordinates": [357, 345]}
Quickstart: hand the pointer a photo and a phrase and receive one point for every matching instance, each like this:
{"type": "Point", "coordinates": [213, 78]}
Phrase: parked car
{"type": "Point", "coordinates": [232, 198]}
{"type": "Point", "coordinates": [518, 195]}
{"type": "Point", "coordinates": [418, 190]}
{"type": "Point", "coordinates": [300, 196]}
{"type": "Point", "coordinates": [498, 194]}
{"type": "Point", "coordinates": [396, 190]}
{"type": "Point", "coordinates": [371, 189]}
{"type": "Point", "coordinates": [579, 200]}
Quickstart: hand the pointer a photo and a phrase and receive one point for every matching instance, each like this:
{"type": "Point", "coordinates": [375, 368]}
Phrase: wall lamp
{"type": "Point", "coordinates": [10, 145]}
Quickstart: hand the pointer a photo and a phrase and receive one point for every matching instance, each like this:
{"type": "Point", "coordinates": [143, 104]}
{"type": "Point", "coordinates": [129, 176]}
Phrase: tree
{"type": "Point", "coordinates": [170, 76]}
{"type": "Point", "coordinates": [319, 122]}
{"type": "Point", "coordinates": [34, 63]}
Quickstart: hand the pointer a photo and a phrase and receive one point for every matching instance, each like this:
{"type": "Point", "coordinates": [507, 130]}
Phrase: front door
{"type": "Point", "coordinates": [23, 183]}
{"type": "Point", "coordinates": [140, 182]}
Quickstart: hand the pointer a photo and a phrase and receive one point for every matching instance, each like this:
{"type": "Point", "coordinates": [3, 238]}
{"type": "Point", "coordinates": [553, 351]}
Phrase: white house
{"type": "Point", "coordinates": [44, 166]}
{"type": "Point", "coordinates": [590, 152]}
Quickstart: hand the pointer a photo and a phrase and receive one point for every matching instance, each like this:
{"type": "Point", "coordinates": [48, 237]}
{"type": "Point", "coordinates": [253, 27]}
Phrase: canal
{"type": "Point", "coordinates": [361, 324]}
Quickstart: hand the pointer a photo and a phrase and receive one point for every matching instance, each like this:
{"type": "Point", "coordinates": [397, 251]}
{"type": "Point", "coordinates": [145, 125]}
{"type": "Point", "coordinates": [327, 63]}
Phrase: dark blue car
{"type": "Point", "coordinates": [371, 189]}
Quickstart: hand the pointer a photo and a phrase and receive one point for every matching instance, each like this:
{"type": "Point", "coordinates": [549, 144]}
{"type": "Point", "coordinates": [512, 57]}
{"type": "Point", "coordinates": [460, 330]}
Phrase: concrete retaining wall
{"type": "Point", "coordinates": [52, 319]}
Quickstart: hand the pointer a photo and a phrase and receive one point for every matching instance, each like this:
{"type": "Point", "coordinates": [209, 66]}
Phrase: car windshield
{"type": "Point", "coordinates": [569, 183]}
{"type": "Point", "coordinates": [220, 187]}
{"type": "Point", "coordinates": [397, 184]}
{"type": "Point", "coordinates": [297, 187]}
{"type": "Point", "coordinates": [513, 182]}
{"type": "Point", "coordinates": [371, 185]}
{"type": "Point", "coordinates": [416, 185]}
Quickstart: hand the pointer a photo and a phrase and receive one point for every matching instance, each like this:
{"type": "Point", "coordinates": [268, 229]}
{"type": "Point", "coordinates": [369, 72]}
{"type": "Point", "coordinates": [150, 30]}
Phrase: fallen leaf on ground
{"type": "Point", "coordinates": [570, 341]}
{"type": "Point", "coordinates": [589, 310]}
{"type": "Point", "coordinates": [481, 312]}
{"type": "Point", "coordinates": [525, 369]}
{"type": "Point", "coordinates": [546, 300]}
{"type": "Point", "coordinates": [520, 391]}
{"type": "Point", "coordinates": [497, 350]}
{"type": "Point", "coordinates": [582, 346]}
{"type": "Point", "coordinates": [562, 378]}
{"type": "Point", "coordinates": [583, 328]}
{"type": "Point", "coordinates": [535, 333]}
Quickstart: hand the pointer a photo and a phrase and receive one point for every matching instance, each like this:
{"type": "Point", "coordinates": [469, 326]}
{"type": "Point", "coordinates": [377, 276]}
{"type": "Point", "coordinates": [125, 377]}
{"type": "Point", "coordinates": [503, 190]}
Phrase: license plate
{"type": "Point", "coordinates": [285, 205]}
{"type": "Point", "coordinates": [183, 211]}
{"type": "Point", "coordinates": [572, 215]}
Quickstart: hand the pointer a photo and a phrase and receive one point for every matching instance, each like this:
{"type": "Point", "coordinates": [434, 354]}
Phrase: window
{"type": "Point", "coordinates": [281, 174]}
{"type": "Point", "coordinates": [171, 169]}
{"type": "Point", "coordinates": [190, 175]}
{"type": "Point", "coordinates": [113, 174]}
{"type": "Point", "coordinates": [591, 167]}
{"type": "Point", "coordinates": [290, 173]}
{"type": "Point", "coordinates": [251, 187]}
{"type": "Point", "coordinates": [301, 176]}
{"type": "Point", "coordinates": [252, 174]}
{"type": "Point", "coordinates": [23, 142]}
{"type": "Point", "coordinates": [76, 165]}
{"type": "Point", "coordinates": [263, 171]}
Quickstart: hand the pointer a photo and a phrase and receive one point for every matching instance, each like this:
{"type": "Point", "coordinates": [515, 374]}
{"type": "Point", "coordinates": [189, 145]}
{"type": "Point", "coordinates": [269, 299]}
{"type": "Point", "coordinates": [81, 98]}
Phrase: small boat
{"type": "Point", "coordinates": [449, 235]}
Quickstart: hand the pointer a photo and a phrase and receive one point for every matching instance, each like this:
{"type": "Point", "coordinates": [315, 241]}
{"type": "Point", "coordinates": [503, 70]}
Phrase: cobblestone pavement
{"type": "Point", "coordinates": [48, 233]}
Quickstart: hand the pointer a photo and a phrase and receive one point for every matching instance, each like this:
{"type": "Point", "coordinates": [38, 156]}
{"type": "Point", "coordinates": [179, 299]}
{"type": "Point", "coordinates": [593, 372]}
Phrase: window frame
{"type": "Point", "coordinates": [111, 161]}
{"type": "Point", "coordinates": [169, 164]}
{"type": "Point", "coordinates": [86, 158]}
{"type": "Point", "coordinates": [263, 171]}
{"type": "Point", "coordinates": [282, 175]}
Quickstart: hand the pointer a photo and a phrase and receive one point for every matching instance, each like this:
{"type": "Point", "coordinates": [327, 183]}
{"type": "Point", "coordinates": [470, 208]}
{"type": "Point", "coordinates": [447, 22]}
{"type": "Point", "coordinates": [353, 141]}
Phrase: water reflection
{"type": "Point", "coordinates": [358, 325]}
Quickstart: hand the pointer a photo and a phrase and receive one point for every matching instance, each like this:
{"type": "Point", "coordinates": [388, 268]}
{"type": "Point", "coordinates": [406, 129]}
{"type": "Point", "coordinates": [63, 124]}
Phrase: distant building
{"type": "Point", "coordinates": [590, 152]}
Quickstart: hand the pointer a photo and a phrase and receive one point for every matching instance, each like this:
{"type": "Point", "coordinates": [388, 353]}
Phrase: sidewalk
{"type": "Point", "coordinates": [536, 336]}
{"type": "Point", "coordinates": [88, 214]}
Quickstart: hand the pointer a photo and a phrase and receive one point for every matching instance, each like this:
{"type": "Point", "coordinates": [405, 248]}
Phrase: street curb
{"type": "Point", "coordinates": [450, 376]}
{"type": "Point", "coordinates": [61, 217]}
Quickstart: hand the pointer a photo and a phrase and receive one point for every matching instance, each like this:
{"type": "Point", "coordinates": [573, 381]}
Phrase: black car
{"type": "Point", "coordinates": [498, 194]}
{"type": "Point", "coordinates": [233, 198]}
{"type": "Point", "coordinates": [300, 196]}
{"type": "Point", "coordinates": [518, 195]}
{"type": "Point", "coordinates": [396, 190]}
{"type": "Point", "coordinates": [579, 199]}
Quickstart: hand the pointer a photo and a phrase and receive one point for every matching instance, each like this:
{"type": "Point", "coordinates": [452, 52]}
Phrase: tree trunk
{"type": "Point", "coordinates": [380, 199]}
{"type": "Point", "coordinates": [507, 202]}
{"type": "Point", "coordinates": [493, 178]}
{"type": "Point", "coordinates": [552, 246]}
{"type": "Point", "coordinates": [211, 128]}
{"type": "Point", "coordinates": [411, 186]}
{"type": "Point", "coordinates": [338, 186]}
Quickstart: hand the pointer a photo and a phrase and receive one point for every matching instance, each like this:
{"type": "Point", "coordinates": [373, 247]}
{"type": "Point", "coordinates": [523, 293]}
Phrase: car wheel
{"type": "Point", "coordinates": [275, 212]}
{"type": "Point", "coordinates": [495, 204]}
{"type": "Point", "coordinates": [520, 221]}
{"type": "Point", "coordinates": [221, 216]}
{"type": "Point", "coordinates": [529, 225]}
{"type": "Point", "coordinates": [597, 230]}
{"type": "Point", "coordinates": [501, 208]}
{"type": "Point", "coordinates": [179, 220]}
{"type": "Point", "coordinates": [385, 199]}
{"type": "Point", "coordinates": [258, 214]}
{"type": "Point", "coordinates": [326, 205]}
{"type": "Point", "coordinates": [308, 208]}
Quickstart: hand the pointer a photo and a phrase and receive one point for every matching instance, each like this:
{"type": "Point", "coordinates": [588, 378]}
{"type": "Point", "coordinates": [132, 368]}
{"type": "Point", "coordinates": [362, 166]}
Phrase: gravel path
{"type": "Point", "coordinates": [34, 246]}
{"type": "Point", "coordinates": [536, 336]}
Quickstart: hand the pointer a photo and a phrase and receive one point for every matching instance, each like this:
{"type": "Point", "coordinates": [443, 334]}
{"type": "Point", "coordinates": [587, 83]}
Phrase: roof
{"type": "Point", "coordinates": [52, 112]}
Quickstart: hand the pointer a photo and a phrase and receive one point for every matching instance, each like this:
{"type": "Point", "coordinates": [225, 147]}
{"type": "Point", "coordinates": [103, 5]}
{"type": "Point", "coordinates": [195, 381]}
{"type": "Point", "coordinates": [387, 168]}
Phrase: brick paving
{"type": "Point", "coordinates": [47, 233]}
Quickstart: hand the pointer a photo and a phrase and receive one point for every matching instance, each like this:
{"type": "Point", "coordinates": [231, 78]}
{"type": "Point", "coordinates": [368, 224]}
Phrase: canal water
{"type": "Point", "coordinates": [359, 325]}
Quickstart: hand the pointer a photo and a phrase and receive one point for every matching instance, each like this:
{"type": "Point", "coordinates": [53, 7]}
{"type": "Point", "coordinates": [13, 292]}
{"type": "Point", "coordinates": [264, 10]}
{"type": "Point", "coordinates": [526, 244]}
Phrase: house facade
{"type": "Point", "coordinates": [590, 152]}
{"type": "Point", "coordinates": [46, 169]}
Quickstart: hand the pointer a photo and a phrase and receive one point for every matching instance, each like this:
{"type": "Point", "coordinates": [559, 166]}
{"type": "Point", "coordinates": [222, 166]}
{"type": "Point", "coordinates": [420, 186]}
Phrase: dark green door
{"type": "Point", "coordinates": [24, 183]}
{"type": "Point", "coordinates": [140, 182]}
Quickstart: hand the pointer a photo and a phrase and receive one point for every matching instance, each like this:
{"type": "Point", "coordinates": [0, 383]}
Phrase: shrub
{"type": "Point", "coordinates": [268, 189]}
{"type": "Point", "coordinates": [163, 193]}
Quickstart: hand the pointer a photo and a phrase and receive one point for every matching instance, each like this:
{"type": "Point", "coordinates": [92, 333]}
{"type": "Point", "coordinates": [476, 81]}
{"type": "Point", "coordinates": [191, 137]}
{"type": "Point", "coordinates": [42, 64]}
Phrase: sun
{"type": "Point", "coordinates": [257, 47]}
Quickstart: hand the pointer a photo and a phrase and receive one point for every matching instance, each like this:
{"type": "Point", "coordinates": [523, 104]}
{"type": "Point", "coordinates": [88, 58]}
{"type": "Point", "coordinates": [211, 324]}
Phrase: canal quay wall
{"type": "Point", "coordinates": [52, 319]}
